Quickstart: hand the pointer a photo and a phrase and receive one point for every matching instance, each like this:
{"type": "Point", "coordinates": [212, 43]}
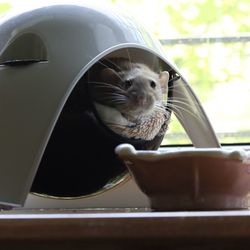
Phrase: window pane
{"type": "Point", "coordinates": [209, 41]}
{"type": "Point", "coordinates": [218, 72]}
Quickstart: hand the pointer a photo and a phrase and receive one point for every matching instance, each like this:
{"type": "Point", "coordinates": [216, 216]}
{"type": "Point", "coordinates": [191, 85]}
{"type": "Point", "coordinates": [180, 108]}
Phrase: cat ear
{"type": "Point", "coordinates": [164, 78]}
{"type": "Point", "coordinates": [109, 75]}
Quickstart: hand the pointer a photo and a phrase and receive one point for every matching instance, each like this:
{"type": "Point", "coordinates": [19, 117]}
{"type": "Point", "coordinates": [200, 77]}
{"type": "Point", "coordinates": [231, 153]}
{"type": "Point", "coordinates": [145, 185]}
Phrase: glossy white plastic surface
{"type": "Point", "coordinates": [72, 38]}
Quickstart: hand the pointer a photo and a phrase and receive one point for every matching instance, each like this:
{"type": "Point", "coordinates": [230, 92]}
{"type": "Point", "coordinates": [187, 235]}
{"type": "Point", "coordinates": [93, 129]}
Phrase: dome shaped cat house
{"type": "Point", "coordinates": [52, 141]}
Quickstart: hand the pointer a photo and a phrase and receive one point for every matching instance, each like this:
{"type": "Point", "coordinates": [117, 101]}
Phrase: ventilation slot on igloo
{"type": "Point", "coordinates": [25, 49]}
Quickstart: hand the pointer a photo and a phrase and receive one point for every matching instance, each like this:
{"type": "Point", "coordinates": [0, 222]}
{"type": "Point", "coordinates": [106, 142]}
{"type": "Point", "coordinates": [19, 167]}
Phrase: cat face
{"type": "Point", "coordinates": [136, 90]}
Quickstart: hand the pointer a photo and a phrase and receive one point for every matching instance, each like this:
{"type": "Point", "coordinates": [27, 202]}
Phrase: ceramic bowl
{"type": "Point", "coordinates": [191, 179]}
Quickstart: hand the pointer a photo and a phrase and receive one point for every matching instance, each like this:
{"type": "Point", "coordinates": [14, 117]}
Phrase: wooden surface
{"type": "Point", "coordinates": [124, 229]}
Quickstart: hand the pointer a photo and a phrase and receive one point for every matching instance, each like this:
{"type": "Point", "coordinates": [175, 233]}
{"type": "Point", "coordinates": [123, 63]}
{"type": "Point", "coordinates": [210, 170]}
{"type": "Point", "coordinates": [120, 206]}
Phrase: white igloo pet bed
{"type": "Point", "coordinates": [47, 144]}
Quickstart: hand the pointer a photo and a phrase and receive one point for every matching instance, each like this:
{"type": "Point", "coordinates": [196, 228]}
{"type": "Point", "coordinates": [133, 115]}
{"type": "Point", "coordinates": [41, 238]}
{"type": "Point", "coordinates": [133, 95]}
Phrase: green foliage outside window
{"type": "Point", "coordinates": [4, 7]}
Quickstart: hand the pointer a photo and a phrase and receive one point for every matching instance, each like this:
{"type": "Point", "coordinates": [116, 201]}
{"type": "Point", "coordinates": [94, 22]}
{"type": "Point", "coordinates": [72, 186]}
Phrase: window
{"type": "Point", "coordinates": [209, 41]}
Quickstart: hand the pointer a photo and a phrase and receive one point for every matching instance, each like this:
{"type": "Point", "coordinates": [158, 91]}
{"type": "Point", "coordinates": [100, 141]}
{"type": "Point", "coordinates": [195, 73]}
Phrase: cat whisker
{"type": "Point", "coordinates": [104, 85]}
{"type": "Point", "coordinates": [175, 84]}
{"type": "Point", "coordinates": [179, 101]}
{"type": "Point", "coordinates": [176, 91]}
{"type": "Point", "coordinates": [177, 109]}
{"type": "Point", "coordinates": [114, 97]}
{"type": "Point", "coordinates": [116, 66]}
{"type": "Point", "coordinates": [160, 107]}
{"type": "Point", "coordinates": [182, 100]}
{"type": "Point", "coordinates": [179, 116]}
{"type": "Point", "coordinates": [112, 103]}
{"type": "Point", "coordinates": [173, 87]}
{"type": "Point", "coordinates": [184, 106]}
{"type": "Point", "coordinates": [103, 64]}
{"type": "Point", "coordinates": [168, 109]}
{"type": "Point", "coordinates": [111, 62]}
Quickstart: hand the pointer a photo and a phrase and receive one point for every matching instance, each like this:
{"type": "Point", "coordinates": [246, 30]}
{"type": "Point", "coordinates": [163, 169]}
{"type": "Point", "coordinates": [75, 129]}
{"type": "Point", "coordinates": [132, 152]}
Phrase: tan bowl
{"type": "Point", "coordinates": [195, 179]}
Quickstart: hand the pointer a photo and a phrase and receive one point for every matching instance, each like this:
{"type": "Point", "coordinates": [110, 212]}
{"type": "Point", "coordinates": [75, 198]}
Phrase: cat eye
{"type": "Point", "coordinates": [128, 84]}
{"type": "Point", "coordinates": [152, 84]}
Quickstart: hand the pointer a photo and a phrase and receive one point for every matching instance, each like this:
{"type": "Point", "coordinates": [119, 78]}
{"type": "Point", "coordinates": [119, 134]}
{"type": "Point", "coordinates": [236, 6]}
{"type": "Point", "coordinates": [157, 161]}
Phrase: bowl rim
{"type": "Point", "coordinates": [127, 151]}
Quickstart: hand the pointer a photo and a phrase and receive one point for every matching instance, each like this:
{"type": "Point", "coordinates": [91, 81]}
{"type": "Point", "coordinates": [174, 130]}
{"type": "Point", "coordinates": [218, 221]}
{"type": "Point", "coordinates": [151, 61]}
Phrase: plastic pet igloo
{"type": "Point", "coordinates": [51, 141]}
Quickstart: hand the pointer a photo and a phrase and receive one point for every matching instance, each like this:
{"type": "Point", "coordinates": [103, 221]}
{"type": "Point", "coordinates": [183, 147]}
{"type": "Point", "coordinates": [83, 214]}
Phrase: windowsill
{"type": "Point", "coordinates": [124, 229]}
